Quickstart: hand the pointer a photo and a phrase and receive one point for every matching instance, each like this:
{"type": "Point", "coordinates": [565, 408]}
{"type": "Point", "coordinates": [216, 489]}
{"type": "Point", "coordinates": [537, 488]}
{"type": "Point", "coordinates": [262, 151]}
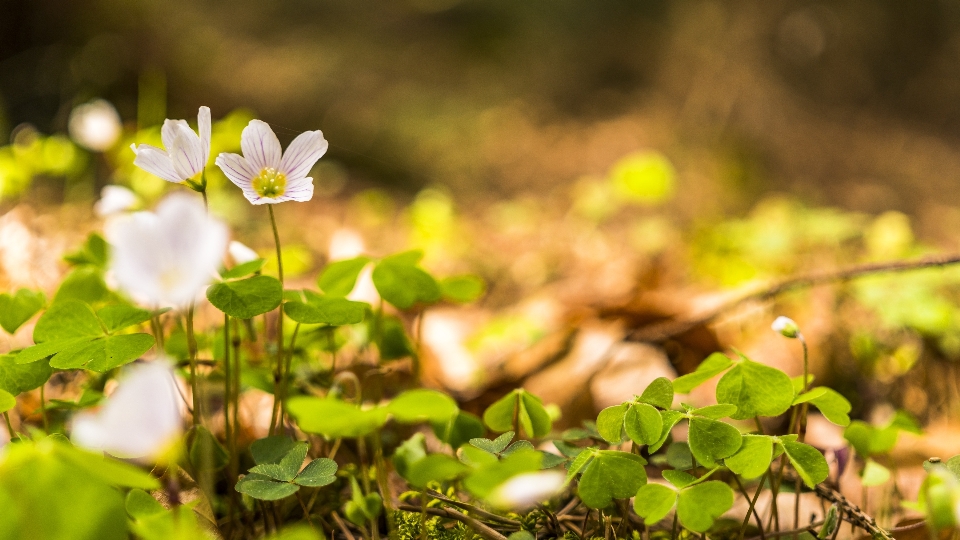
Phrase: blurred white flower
{"type": "Point", "coordinates": [141, 419]}
{"type": "Point", "coordinates": [95, 125]}
{"type": "Point", "coordinates": [263, 174]}
{"type": "Point", "coordinates": [167, 258]}
{"type": "Point", "coordinates": [785, 326]}
{"type": "Point", "coordinates": [241, 253]}
{"type": "Point", "coordinates": [115, 199]}
{"type": "Point", "coordinates": [186, 153]}
{"type": "Point", "coordinates": [345, 244]}
{"type": "Point", "coordinates": [527, 490]}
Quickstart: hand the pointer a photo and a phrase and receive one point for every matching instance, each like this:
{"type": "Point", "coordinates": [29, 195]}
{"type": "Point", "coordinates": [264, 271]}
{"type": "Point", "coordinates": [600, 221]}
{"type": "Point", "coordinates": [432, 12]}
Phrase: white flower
{"type": "Point", "coordinates": [785, 326]}
{"type": "Point", "coordinates": [167, 258]}
{"type": "Point", "coordinates": [115, 199]}
{"type": "Point", "coordinates": [266, 176]}
{"type": "Point", "coordinates": [140, 419]}
{"type": "Point", "coordinates": [241, 253]}
{"type": "Point", "coordinates": [95, 125]}
{"type": "Point", "coordinates": [186, 153]}
{"type": "Point", "coordinates": [527, 490]}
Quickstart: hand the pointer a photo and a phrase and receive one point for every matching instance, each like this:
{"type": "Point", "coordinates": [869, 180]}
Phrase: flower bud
{"type": "Point", "coordinates": [786, 327]}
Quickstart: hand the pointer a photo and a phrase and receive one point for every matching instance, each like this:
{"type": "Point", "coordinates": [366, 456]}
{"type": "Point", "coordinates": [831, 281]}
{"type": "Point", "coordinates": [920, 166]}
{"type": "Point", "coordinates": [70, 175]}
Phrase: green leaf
{"type": "Point", "coordinates": [246, 298]}
{"type": "Point", "coordinates": [7, 401]}
{"type": "Point", "coordinates": [711, 440]}
{"type": "Point", "coordinates": [317, 473]}
{"type": "Point", "coordinates": [756, 390]}
{"type": "Point", "coordinates": [643, 423]}
{"type": "Point", "coordinates": [422, 405]}
{"type": "Point", "coordinates": [120, 316]}
{"type": "Point", "coordinates": [360, 509]}
{"type": "Point", "coordinates": [610, 423]}
{"type": "Point", "coordinates": [475, 457]}
{"type": "Point", "coordinates": [533, 417]}
{"type": "Point", "coordinates": [653, 502]}
{"type": "Point", "coordinates": [807, 396]}
{"type": "Point", "coordinates": [659, 393]}
{"type": "Point", "coordinates": [462, 289]}
{"type": "Point", "coordinates": [393, 342]}
{"type": "Point", "coordinates": [17, 308]}
{"type": "Point", "coordinates": [47, 349]}
{"type": "Point", "coordinates": [716, 412]}
{"type": "Point", "coordinates": [205, 451]}
{"type": "Point", "coordinates": [140, 504]}
{"type": "Point", "coordinates": [670, 419]}
{"type": "Point", "coordinates": [487, 477]}
{"type": "Point", "coordinates": [715, 364]}
{"type": "Point", "coordinates": [290, 464]}
{"type": "Point", "coordinates": [69, 319]}
{"type": "Point", "coordinates": [403, 284]}
{"type": "Point", "coordinates": [84, 284]}
{"type": "Point", "coordinates": [17, 378]}
{"type": "Point", "coordinates": [808, 461]}
{"type": "Point", "coordinates": [110, 470]}
{"type": "Point", "coordinates": [339, 277]}
{"type": "Point", "coordinates": [516, 447]}
{"type": "Point", "coordinates": [679, 479]}
{"type": "Point", "coordinates": [874, 474]}
{"type": "Point", "coordinates": [435, 468]}
{"type": "Point", "coordinates": [459, 429]}
{"type": "Point", "coordinates": [103, 354]}
{"type": "Point", "coordinates": [700, 505]}
{"type": "Point", "coordinates": [833, 406]}
{"type": "Point", "coordinates": [679, 456]}
{"type": "Point", "coordinates": [243, 270]}
{"type": "Point", "coordinates": [271, 449]}
{"type": "Point", "coordinates": [331, 311]}
{"type": "Point", "coordinates": [94, 251]}
{"type": "Point", "coordinates": [611, 475]}
{"type": "Point", "coordinates": [579, 462]}
{"type": "Point", "coordinates": [753, 457]}
{"type": "Point", "coordinates": [495, 446]}
{"type": "Point", "coordinates": [263, 488]}
{"type": "Point", "coordinates": [334, 418]}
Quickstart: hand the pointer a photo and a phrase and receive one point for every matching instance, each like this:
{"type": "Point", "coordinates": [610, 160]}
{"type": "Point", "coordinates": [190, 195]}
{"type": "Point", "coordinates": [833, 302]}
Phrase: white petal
{"type": "Point", "coordinates": [140, 419]}
{"type": "Point", "coordinates": [168, 132]}
{"type": "Point", "coordinates": [237, 169]}
{"type": "Point", "coordinates": [260, 146]}
{"type": "Point", "coordinates": [240, 253]}
{"type": "Point", "coordinates": [114, 199]}
{"type": "Point", "coordinates": [527, 490]}
{"type": "Point", "coordinates": [156, 161]}
{"type": "Point", "coordinates": [302, 153]}
{"type": "Point", "coordinates": [186, 153]}
{"type": "Point", "coordinates": [203, 124]}
{"type": "Point", "coordinates": [299, 191]}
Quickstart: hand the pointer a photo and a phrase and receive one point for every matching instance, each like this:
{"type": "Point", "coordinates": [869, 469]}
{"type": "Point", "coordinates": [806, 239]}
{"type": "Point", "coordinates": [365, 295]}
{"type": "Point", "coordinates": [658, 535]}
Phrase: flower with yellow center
{"type": "Point", "coordinates": [186, 152]}
{"type": "Point", "coordinates": [265, 173]}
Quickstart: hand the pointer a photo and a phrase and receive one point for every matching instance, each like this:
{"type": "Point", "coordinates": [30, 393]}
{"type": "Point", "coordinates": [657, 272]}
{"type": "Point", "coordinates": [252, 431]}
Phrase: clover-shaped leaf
{"type": "Point", "coordinates": [339, 278]}
{"type": "Point", "coordinates": [525, 407]}
{"type": "Point", "coordinates": [611, 475]}
{"type": "Point", "coordinates": [698, 506]}
{"type": "Point", "coordinates": [653, 502]}
{"type": "Point", "coordinates": [714, 364]}
{"type": "Point", "coordinates": [753, 457]}
{"type": "Point", "coordinates": [808, 461]}
{"type": "Point", "coordinates": [16, 378]}
{"type": "Point", "coordinates": [17, 308]}
{"type": "Point", "coordinates": [659, 393]}
{"type": "Point", "coordinates": [402, 283]}
{"type": "Point", "coordinates": [711, 440]}
{"type": "Point", "coordinates": [459, 429]}
{"type": "Point", "coordinates": [265, 488]}
{"type": "Point", "coordinates": [833, 406]}
{"type": "Point", "coordinates": [246, 298]}
{"type": "Point", "coordinates": [755, 389]}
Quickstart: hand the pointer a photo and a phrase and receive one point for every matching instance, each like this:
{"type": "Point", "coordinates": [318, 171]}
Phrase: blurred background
{"type": "Point", "coordinates": [602, 165]}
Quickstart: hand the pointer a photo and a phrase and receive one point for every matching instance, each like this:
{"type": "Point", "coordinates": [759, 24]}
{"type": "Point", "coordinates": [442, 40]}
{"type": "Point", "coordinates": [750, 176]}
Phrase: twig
{"type": "Point", "coordinates": [470, 508]}
{"type": "Point", "coordinates": [808, 528]}
{"type": "Point", "coordinates": [659, 332]}
{"type": "Point", "coordinates": [481, 528]}
{"type": "Point", "coordinates": [343, 528]}
{"type": "Point", "coordinates": [852, 513]}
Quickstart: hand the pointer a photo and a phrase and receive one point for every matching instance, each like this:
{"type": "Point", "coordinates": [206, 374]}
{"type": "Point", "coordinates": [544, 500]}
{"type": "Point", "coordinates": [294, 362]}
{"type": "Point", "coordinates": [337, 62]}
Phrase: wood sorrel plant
{"type": "Point", "coordinates": [342, 456]}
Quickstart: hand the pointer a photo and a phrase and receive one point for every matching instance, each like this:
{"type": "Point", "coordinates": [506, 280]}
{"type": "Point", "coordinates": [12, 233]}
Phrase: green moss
{"type": "Point", "coordinates": [408, 528]}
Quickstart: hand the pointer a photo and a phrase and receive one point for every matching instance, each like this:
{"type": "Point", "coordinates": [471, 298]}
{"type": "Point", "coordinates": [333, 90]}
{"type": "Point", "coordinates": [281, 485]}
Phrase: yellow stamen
{"type": "Point", "coordinates": [270, 183]}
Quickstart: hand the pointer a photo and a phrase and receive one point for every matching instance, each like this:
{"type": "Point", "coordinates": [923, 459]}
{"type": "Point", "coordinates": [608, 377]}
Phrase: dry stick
{"type": "Point", "coordinates": [668, 329]}
{"type": "Point", "coordinates": [473, 509]}
{"type": "Point", "coordinates": [856, 516]}
{"type": "Point", "coordinates": [343, 528]}
{"type": "Point", "coordinates": [479, 527]}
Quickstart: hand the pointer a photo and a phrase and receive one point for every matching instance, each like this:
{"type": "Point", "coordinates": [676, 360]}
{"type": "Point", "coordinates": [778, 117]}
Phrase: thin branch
{"type": "Point", "coordinates": [663, 331]}
{"type": "Point", "coordinates": [470, 508]}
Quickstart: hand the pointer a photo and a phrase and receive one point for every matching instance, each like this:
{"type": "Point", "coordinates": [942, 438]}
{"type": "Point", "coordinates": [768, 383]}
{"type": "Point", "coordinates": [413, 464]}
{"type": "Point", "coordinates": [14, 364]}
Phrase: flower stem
{"type": "Point", "coordinates": [194, 371]}
{"type": "Point", "coordinates": [43, 408]}
{"type": "Point", "coordinates": [13, 434]}
{"type": "Point", "coordinates": [278, 374]}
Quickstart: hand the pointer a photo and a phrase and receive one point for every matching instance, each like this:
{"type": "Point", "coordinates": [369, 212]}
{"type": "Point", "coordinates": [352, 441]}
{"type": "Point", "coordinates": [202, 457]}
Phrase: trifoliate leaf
{"type": "Point", "coordinates": [659, 393]}
{"type": "Point", "coordinates": [271, 449]}
{"type": "Point", "coordinates": [422, 405]}
{"type": "Point", "coordinates": [611, 475]}
{"type": "Point", "coordinates": [753, 457]}
{"type": "Point", "coordinates": [711, 440]}
{"type": "Point", "coordinates": [70, 319]}
{"type": "Point", "coordinates": [339, 278]}
{"type": "Point", "coordinates": [495, 446]}
{"type": "Point", "coordinates": [103, 354]}
{"type": "Point", "coordinates": [264, 488]}
{"type": "Point", "coordinates": [487, 477]}
{"type": "Point", "coordinates": [833, 406]}
{"type": "Point", "coordinates": [756, 390]}
{"type": "Point", "coordinates": [17, 308]}
{"type": "Point", "coordinates": [84, 284]}
{"type": "Point", "coordinates": [643, 423]}
{"type": "Point", "coordinates": [610, 423]}
{"type": "Point", "coordinates": [17, 378]}
{"type": "Point", "coordinates": [715, 364]}
{"type": "Point", "coordinates": [679, 456]}
{"type": "Point", "coordinates": [653, 502]}
{"type": "Point", "coordinates": [403, 284]}
{"type": "Point", "coordinates": [533, 417]}
{"type": "Point", "coordinates": [246, 298]}
{"type": "Point", "coordinates": [808, 461]}
{"type": "Point", "coordinates": [700, 505]}
{"type": "Point", "coordinates": [317, 473]}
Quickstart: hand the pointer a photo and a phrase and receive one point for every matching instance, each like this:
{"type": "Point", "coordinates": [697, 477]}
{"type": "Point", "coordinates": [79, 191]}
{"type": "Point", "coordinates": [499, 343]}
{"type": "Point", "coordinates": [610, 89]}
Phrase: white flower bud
{"type": "Point", "coordinates": [786, 327]}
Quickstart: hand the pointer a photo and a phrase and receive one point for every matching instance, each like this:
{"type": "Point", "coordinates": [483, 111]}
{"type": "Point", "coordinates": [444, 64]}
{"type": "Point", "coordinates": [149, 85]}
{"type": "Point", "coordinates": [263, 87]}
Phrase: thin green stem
{"type": "Point", "coordinates": [10, 431]}
{"type": "Point", "coordinates": [753, 507]}
{"type": "Point", "coordinates": [43, 408]}
{"type": "Point", "coordinates": [194, 371]}
{"type": "Point", "coordinates": [279, 368]}
{"type": "Point", "coordinates": [332, 343]}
